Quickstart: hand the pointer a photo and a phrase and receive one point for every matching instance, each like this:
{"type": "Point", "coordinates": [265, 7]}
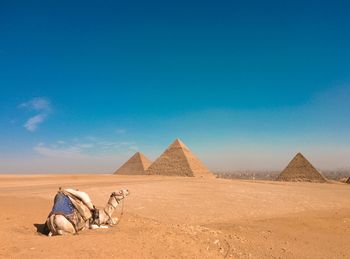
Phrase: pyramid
{"type": "Point", "coordinates": [137, 164]}
{"type": "Point", "coordinates": [348, 181]}
{"type": "Point", "coordinates": [178, 160]}
{"type": "Point", "coordinates": [301, 170]}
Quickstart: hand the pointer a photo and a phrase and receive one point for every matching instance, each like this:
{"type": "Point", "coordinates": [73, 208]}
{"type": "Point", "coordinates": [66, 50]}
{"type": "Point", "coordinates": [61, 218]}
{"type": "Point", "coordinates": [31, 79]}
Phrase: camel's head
{"type": "Point", "coordinates": [121, 194]}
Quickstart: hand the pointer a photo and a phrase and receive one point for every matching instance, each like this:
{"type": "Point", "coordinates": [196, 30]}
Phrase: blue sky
{"type": "Point", "coordinates": [245, 84]}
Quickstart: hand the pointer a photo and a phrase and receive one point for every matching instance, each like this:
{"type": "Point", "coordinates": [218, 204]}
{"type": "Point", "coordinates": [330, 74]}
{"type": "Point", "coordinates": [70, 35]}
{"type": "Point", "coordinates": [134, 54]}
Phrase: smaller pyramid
{"type": "Point", "coordinates": [348, 181]}
{"type": "Point", "coordinates": [136, 165]}
{"type": "Point", "coordinates": [178, 160]}
{"type": "Point", "coordinates": [301, 170]}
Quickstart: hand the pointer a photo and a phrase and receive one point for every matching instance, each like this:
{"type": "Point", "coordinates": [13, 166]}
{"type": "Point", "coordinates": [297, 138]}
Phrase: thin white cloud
{"type": "Point", "coordinates": [40, 105]}
{"type": "Point", "coordinates": [75, 149]}
{"type": "Point", "coordinates": [108, 143]}
{"type": "Point", "coordinates": [33, 122]}
{"type": "Point", "coordinates": [85, 145]}
{"type": "Point", "coordinates": [117, 145]}
{"type": "Point", "coordinates": [69, 152]}
{"type": "Point", "coordinates": [37, 104]}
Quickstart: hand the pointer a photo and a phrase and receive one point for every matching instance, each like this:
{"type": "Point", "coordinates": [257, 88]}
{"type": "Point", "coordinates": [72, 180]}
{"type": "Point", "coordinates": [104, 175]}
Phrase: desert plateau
{"type": "Point", "coordinates": [181, 217]}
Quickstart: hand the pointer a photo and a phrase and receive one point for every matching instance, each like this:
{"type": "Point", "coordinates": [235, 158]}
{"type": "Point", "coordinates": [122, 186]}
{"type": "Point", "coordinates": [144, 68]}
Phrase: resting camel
{"type": "Point", "coordinates": [59, 224]}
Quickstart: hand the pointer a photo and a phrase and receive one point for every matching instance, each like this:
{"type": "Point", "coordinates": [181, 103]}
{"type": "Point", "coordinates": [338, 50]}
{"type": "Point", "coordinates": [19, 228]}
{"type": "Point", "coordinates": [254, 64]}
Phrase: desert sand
{"type": "Point", "coordinates": [174, 217]}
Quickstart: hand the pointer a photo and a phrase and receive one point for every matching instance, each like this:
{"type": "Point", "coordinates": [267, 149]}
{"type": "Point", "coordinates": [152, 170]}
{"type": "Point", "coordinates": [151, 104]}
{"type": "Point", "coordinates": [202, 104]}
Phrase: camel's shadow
{"type": "Point", "coordinates": [42, 229]}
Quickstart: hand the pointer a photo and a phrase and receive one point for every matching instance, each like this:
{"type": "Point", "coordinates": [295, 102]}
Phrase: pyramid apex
{"type": "Point", "coordinates": [137, 154]}
{"type": "Point", "coordinates": [299, 155]}
{"type": "Point", "coordinates": [177, 140]}
{"type": "Point", "coordinates": [141, 155]}
{"type": "Point", "coordinates": [178, 143]}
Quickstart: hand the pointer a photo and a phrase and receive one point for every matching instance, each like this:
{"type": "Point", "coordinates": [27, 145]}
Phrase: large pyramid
{"type": "Point", "coordinates": [137, 164]}
{"type": "Point", "coordinates": [301, 170]}
{"type": "Point", "coordinates": [178, 160]}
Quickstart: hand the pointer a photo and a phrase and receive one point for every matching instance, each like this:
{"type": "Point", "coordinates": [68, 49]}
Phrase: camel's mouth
{"type": "Point", "coordinates": [125, 192]}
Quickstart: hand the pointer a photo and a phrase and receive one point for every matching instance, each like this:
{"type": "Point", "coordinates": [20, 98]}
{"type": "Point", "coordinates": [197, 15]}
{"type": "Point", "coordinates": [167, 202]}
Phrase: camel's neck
{"type": "Point", "coordinates": [109, 209]}
{"type": "Point", "coordinates": [112, 204]}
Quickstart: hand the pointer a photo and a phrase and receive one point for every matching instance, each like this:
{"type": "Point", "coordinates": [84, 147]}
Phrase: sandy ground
{"type": "Point", "coordinates": [170, 217]}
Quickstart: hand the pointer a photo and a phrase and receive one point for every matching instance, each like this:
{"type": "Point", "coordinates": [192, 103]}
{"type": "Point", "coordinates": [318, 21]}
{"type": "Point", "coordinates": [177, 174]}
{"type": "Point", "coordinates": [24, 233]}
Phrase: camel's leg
{"type": "Point", "coordinates": [63, 225]}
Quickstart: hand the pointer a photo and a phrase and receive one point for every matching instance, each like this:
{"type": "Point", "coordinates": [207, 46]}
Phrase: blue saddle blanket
{"type": "Point", "coordinates": [62, 205]}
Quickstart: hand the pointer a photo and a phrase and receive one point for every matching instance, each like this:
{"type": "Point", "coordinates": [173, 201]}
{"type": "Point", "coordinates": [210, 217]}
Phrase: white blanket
{"type": "Point", "coordinates": [83, 196]}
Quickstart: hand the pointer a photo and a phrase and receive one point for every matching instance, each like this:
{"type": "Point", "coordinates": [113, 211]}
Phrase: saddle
{"type": "Point", "coordinates": [62, 205]}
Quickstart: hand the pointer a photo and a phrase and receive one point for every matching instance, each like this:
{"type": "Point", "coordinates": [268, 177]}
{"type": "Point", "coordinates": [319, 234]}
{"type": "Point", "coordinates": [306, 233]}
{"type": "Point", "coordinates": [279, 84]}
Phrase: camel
{"type": "Point", "coordinates": [59, 224]}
